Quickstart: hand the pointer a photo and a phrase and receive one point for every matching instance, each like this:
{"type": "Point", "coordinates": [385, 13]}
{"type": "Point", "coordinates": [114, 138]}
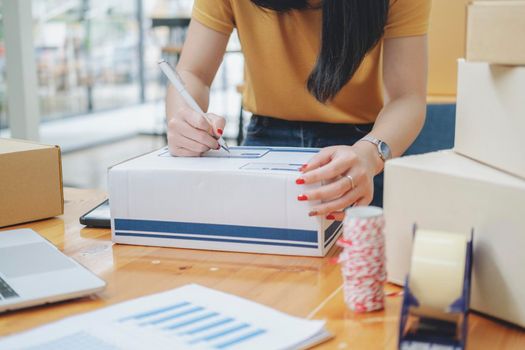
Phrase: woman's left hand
{"type": "Point", "coordinates": [347, 174]}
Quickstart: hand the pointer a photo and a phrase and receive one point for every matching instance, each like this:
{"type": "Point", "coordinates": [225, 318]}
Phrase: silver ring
{"type": "Point", "coordinates": [349, 177]}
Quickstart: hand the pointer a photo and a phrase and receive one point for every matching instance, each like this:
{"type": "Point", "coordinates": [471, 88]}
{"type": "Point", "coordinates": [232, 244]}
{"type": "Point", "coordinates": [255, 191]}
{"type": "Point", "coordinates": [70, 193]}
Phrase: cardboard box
{"type": "Point", "coordinates": [446, 191]}
{"type": "Point", "coordinates": [495, 32]}
{"type": "Point", "coordinates": [30, 182]}
{"type": "Point", "coordinates": [246, 202]}
{"type": "Point", "coordinates": [490, 117]}
{"type": "Point", "coordinates": [446, 44]}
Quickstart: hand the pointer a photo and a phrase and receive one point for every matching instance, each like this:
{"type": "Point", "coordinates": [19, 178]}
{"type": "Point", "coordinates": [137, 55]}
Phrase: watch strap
{"type": "Point", "coordinates": [378, 143]}
{"type": "Point", "coordinates": [371, 139]}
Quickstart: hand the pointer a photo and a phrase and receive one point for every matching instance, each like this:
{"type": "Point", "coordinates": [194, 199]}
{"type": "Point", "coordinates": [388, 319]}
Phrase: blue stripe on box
{"type": "Point", "coordinates": [331, 232]}
{"type": "Point", "coordinates": [192, 238]}
{"type": "Point", "coordinates": [189, 228]}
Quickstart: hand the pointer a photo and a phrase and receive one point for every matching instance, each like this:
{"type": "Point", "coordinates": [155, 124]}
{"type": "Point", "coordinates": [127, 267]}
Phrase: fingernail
{"type": "Point", "coordinates": [301, 169]}
{"type": "Point", "coordinates": [312, 213]}
{"type": "Point", "coordinates": [299, 181]}
{"type": "Point", "coordinates": [218, 147]}
{"type": "Point", "coordinates": [219, 131]}
{"type": "Point", "coordinates": [330, 217]}
{"type": "Point", "coordinates": [302, 197]}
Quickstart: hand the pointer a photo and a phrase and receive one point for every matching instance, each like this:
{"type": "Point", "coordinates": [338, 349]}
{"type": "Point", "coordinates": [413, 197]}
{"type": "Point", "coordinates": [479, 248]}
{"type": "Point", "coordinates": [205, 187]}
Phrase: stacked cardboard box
{"type": "Point", "coordinates": [495, 32]}
{"type": "Point", "coordinates": [490, 121]}
{"type": "Point", "coordinates": [30, 182]}
{"type": "Point", "coordinates": [481, 183]}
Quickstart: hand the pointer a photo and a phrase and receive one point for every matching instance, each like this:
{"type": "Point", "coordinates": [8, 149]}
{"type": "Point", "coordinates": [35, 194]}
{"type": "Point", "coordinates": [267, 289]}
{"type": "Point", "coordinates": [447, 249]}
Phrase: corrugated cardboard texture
{"type": "Point", "coordinates": [495, 32]}
{"type": "Point", "coordinates": [31, 182]}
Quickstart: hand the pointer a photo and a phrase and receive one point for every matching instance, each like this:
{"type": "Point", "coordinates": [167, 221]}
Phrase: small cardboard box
{"type": "Point", "coordinates": [245, 201]}
{"type": "Point", "coordinates": [30, 182]}
{"type": "Point", "coordinates": [446, 191]}
{"type": "Point", "coordinates": [490, 117]}
{"type": "Point", "coordinates": [495, 32]}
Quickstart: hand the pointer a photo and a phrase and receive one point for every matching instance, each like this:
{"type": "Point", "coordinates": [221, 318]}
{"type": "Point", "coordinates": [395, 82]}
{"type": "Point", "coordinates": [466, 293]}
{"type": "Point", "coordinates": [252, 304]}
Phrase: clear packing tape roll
{"type": "Point", "coordinates": [437, 272]}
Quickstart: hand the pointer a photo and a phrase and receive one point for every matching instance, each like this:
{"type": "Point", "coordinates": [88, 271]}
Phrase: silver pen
{"type": "Point", "coordinates": [177, 82]}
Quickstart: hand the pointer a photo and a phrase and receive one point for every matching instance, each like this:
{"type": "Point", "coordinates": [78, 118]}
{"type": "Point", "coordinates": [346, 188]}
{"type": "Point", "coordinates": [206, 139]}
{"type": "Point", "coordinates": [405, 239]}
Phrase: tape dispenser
{"type": "Point", "coordinates": [434, 313]}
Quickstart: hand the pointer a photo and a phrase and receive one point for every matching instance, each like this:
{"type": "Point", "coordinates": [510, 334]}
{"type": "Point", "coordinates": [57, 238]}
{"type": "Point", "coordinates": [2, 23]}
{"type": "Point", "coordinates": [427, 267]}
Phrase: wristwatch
{"type": "Point", "coordinates": [382, 147]}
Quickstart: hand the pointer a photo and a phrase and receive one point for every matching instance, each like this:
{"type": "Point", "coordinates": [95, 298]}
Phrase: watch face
{"type": "Point", "coordinates": [384, 150]}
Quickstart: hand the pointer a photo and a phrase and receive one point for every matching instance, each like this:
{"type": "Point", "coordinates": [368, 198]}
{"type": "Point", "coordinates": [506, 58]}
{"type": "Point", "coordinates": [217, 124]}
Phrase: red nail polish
{"type": "Point", "coordinates": [218, 147]}
{"type": "Point", "coordinates": [301, 169]}
{"type": "Point", "coordinates": [219, 131]}
{"type": "Point", "coordinates": [302, 197]}
{"type": "Point", "coordinates": [330, 217]}
{"type": "Point", "coordinates": [312, 213]}
{"type": "Point", "coordinates": [299, 181]}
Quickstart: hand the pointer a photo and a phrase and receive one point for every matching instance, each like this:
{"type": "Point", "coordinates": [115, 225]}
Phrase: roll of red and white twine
{"type": "Point", "coordinates": [363, 258]}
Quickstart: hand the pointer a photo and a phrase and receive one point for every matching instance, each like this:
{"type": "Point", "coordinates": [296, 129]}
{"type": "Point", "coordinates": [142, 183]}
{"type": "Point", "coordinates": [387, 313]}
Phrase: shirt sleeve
{"type": "Point", "coordinates": [214, 14]}
{"type": "Point", "coordinates": [408, 18]}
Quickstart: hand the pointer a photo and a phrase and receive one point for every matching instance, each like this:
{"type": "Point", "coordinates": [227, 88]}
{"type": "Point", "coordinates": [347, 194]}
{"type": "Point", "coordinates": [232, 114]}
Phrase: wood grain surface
{"type": "Point", "coordinates": [301, 286]}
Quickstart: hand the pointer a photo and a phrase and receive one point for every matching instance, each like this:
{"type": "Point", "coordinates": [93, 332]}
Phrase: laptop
{"type": "Point", "coordinates": [33, 272]}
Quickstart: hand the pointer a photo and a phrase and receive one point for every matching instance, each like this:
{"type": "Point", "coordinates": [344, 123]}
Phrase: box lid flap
{"type": "Point", "coordinates": [270, 160]}
{"type": "Point", "coordinates": [450, 163]}
{"type": "Point", "coordinates": [13, 146]}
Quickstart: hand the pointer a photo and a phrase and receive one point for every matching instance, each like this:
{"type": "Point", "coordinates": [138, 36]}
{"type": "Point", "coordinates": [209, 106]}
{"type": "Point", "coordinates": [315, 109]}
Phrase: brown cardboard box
{"type": "Point", "coordinates": [490, 115]}
{"type": "Point", "coordinates": [30, 182]}
{"type": "Point", "coordinates": [446, 43]}
{"type": "Point", "coordinates": [495, 32]}
{"type": "Point", "coordinates": [446, 191]}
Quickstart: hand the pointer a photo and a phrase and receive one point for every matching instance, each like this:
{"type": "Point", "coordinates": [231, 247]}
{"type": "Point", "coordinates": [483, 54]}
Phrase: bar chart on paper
{"type": "Point", "coordinates": [195, 325]}
{"type": "Point", "coordinates": [190, 317]}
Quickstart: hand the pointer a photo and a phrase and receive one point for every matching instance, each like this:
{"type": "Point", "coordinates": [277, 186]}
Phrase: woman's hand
{"type": "Point", "coordinates": [347, 174]}
{"type": "Point", "coordinates": [190, 134]}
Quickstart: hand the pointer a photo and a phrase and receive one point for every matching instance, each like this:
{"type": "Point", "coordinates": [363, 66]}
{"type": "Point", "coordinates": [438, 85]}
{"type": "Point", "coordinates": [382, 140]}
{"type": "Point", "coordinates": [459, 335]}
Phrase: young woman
{"type": "Point", "coordinates": [347, 76]}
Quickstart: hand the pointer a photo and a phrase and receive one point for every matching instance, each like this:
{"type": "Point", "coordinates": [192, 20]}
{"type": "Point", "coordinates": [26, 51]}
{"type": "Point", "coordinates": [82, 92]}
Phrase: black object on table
{"type": "Point", "coordinates": [98, 217]}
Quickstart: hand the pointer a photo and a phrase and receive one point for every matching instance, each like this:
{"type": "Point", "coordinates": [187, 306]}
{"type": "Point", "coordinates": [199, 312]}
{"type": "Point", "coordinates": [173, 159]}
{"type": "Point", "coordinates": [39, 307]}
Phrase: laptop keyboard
{"type": "Point", "coordinates": [6, 291]}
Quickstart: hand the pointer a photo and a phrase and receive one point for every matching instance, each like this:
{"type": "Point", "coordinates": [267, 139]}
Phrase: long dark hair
{"type": "Point", "coordinates": [351, 28]}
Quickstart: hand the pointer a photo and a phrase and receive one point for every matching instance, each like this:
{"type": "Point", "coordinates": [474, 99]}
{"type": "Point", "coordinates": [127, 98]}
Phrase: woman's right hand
{"type": "Point", "coordinates": [190, 134]}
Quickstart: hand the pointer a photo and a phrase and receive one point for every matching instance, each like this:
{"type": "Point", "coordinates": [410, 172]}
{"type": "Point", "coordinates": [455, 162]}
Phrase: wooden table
{"type": "Point", "coordinates": [301, 286]}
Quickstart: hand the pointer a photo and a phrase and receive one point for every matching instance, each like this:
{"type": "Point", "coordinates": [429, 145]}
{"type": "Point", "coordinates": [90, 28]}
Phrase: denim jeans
{"type": "Point", "coordinates": [267, 131]}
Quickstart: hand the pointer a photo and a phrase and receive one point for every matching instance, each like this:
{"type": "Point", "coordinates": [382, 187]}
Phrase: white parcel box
{"type": "Point", "coordinates": [245, 201]}
{"type": "Point", "coordinates": [446, 191]}
{"type": "Point", "coordinates": [493, 31]}
{"type": "Point", "coordinates": [490, 117]}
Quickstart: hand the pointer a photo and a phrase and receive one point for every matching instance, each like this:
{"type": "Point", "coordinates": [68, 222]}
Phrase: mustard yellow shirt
{"type": "Point", "coordinates": [280, 50]}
